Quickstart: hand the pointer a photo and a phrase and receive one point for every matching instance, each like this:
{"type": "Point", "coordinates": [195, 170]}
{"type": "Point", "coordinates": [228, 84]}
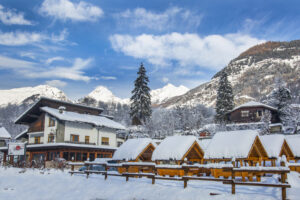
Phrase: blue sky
{"type": "Point", "coordinates": [76, 45]}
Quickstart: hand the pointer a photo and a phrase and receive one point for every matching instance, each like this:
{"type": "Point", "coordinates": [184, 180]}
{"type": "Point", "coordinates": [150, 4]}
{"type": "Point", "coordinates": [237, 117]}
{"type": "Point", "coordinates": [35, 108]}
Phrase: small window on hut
{"type": "Point", "coordinates": [51, 122]}
{"type": "Point", "coordinates": [259, 113]}
{"type": "Point", "coordinates": [245, 113]}
{"type": "Point", "coordinates": [105, 141]}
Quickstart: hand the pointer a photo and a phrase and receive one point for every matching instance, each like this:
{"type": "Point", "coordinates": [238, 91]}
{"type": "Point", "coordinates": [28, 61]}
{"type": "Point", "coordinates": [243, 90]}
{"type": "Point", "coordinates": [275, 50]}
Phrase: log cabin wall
{"type": "Point", "coordinates": [253, 116]}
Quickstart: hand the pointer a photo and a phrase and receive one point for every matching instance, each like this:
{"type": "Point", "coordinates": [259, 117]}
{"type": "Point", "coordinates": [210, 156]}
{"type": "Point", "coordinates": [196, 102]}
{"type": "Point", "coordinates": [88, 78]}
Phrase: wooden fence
{"type": "Point", "coordinates": [186, 173]}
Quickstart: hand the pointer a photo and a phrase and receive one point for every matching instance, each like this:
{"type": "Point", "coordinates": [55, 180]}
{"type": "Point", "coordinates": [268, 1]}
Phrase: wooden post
{"type": "Point", "coordinates": [185, 182]}
{"type": "Point", "coordinates": [72, 169]}
{"type": "Point", "coordinates": [127, 177]}
{"type": "Point", "coordinates": [105, 175]}
{"type": "Point", "coordinates": [283, 177]}
{"type": "Point", "coordinates": [232, 183]}
{"type": "Point", "coordinates": [153, 180]}
{"type": "Point", "coordinates": [4, 157]}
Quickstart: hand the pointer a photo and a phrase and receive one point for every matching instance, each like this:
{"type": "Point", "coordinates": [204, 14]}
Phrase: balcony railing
{"type": "Point", "coordinates": [75, 142]}
{"type": "Point", "coordinates": [35, 143]}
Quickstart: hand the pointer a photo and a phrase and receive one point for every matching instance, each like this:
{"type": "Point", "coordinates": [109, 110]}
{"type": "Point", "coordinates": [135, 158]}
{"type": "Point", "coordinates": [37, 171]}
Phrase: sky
{"type": "Point", "coordinates": [76, 45]}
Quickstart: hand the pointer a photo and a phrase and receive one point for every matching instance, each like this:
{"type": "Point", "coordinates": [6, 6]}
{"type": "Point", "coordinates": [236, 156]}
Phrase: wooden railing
{"type": "Point", "coordinates": [187, 172]}
{"type": "Point", "coordinates": [75, 142]}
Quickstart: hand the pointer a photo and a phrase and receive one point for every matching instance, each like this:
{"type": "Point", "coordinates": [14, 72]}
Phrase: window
{"type": "Point", "coordinates": [105, 141]}
{"type": "Point", "coordinates": [37, 140]}
{"type": "Point", "coordinates": [78, 156]}
{"type": "Point", "coordinates": [51, 138]}
{"type": "Point", "coordinates": [74, 138]}
{"type": "Point", "coordinates": [259, 113]}
{"type": "Point", "coordinates": [51, 122]}
{"type": "Point", "coordinates": [87, 139]}
{"type": "Point", "coordinates": [245, 113]}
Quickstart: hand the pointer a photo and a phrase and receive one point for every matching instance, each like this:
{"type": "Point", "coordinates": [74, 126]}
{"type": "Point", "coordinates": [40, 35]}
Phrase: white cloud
{"type": "Point", "coordinates": [108, 78]}
{"type": "Point", "coordinates": [73, 72]}
{"type": "Point", "coordinates": [10, 17]}
{"type": "Point", "coordinates": [172, 17]}
{"type": "Point", "coordinates": [12, 63]}
{"type": "Point", "coordinates": [27, 38]}
{"type": "Point", "coordinates": [37, 70]}
{"type": "Point", "coordinates": [56, 83]}
{"type": "Point", "coordinates": [50, 60]}
{"type": "Point", "coordinates": [212, 51]}
{"type": "Point", "coordinates": [66, 10]}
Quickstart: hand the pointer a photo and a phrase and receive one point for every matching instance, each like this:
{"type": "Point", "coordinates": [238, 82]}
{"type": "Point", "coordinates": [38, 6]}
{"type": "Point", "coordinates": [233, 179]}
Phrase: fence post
{"type": "Point", "coordinates": [185, 182]}
{"type": "Point", "coordinates": [232, 181]}
{"type": "Point", "coordinates": [105, 175]}
{"type": "Point", "coordinates": [283, 177]}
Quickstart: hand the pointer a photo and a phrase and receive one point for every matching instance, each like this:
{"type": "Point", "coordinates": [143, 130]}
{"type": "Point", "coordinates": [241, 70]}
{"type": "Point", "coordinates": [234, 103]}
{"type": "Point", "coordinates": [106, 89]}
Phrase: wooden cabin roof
{"type": "Point", "coordinates": [294, 143]}
{"type": "Point", "coordinates": [176, 148]}
{"type": "Point", "coordinates": [275, 144]}
{"type": "Point", "coordinates": [252, 104]}
{"type": "Point", "coordinates": [131, 149]}
{"type": "Point", "coordinates": [233, 144]}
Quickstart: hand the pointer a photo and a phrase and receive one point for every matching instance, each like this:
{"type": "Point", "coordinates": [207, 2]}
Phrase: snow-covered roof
{"type": "Point", "coordinates": [254, 104]}
{"type": "Point", "coordinates": [204, 143]}
{"type": "Point", "coordinates": [85, 118]}
{"type": "Point", "coordinates": [272, 144]}
{"type": "Point", "coordinates": [294, 143]}
{"type": "Point", "coordinates": [4, 134]}
{"type": "Point", "coordinates": [132, 148]}
{"type": "Point", "coordinates": [231, 144]}
{"type": "Point", "coordinates": [21, 134]}
{"type": "Point", "coordinates": [173, 148]}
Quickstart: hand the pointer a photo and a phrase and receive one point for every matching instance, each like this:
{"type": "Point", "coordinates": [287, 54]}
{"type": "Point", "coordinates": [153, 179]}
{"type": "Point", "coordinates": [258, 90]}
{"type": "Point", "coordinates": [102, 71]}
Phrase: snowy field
{"type": "Point", "coordinates": [49, 185]}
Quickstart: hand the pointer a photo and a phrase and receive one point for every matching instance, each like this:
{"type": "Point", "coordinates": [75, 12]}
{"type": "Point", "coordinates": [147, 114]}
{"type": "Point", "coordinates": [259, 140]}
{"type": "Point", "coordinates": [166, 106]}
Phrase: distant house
{"type": "Point", "coordinates": [252, 112]}
{"type": "Point", "coordinates": [4, 136]}
{"type": "Point", "coordinates": [66, 130]}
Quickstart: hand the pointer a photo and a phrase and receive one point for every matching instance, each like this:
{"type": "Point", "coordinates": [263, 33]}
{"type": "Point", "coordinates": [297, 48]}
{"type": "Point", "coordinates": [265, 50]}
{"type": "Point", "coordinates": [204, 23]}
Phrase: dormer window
{"type": "Point", "coordinates": [245, 113]}
{"type": "Point", "coordinates": [51, 122]}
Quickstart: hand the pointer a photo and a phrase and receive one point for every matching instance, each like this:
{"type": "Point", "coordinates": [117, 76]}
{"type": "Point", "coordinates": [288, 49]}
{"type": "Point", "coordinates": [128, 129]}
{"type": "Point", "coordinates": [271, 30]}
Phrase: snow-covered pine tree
{"type": "Point", "coordinates": [140, 108]}
{"type": "Point", "coordinates": [224, 99]}
{"type": "Point", "coordinates": [280, 98]}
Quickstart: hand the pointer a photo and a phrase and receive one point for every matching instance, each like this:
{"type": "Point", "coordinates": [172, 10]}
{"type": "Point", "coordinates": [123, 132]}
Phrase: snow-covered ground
{"type": "Point", "coordinates": [49, 185]}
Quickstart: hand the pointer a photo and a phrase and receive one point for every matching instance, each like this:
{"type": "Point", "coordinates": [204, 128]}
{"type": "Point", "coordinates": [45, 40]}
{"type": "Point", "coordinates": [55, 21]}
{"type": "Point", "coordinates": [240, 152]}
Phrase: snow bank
{"type": "Point", "coordinates": [85, 118]}
{"type": "Point", "coordinates": [132, 148]}
{"type": "Point", "coordinates": [272, 144]}
{"type": "Point", "coordinates": [4, 134]}
{"type": "Point", "coordinates": [173, 148]}
{"type": "Point", "coordinates": [231, 144]}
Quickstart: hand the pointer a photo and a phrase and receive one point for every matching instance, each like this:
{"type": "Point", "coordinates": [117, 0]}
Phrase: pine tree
{"type": "Point", "coordinates": [280, 98]}
{"type": "Point", "coordinates": [140, 108]}
{"type": "Point", "coordinates": [224, 99]}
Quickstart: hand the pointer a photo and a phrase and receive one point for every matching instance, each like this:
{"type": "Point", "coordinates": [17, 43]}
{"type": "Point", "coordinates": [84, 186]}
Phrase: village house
{"type": "Point", "coordinates": [252, 112]}
{"type": "Point", "coordinates": [276, 146]}
{"type": "Point", "coordinates": [59, 129]}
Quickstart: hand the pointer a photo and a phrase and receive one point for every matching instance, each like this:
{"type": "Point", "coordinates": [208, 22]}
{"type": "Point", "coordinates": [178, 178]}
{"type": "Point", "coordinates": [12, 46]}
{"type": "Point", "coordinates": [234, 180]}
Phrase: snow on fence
{"type": "Point", "coordinates": [200, 172]}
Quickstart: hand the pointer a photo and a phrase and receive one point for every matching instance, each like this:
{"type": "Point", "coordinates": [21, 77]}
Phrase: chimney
{"type": "Point", "coordinates": [61, 109]}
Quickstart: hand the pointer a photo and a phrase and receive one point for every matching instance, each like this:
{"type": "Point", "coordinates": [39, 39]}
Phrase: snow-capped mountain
{"type": "Point", "coordinates": [161, 95]}
{"type": "Point", "coordinates": [101, 93]}
{"type": "Point", "coordinates": [158, 96]}
{"type": "Point", "coordinates": [252, 75]}
{"type": "Point", "coordinates": [17, 96]}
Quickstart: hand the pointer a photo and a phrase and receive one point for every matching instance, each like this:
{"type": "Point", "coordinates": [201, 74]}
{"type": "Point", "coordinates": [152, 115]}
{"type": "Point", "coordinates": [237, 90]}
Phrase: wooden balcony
{"type": "Point", "coordinates": [75, 142]}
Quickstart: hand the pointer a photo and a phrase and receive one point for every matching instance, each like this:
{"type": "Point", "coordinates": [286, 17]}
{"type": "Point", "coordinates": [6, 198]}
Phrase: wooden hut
{"type": "Point", "coordinates": [176, 150]}
{"type": "Point", "coordinates": [294, 143]}
{"type": "Point", "coordinates": [134, 150]}
{"type": "Point", "coordinates": [276, 146]}
{"type": "Point", "coordinates": [244, 146]}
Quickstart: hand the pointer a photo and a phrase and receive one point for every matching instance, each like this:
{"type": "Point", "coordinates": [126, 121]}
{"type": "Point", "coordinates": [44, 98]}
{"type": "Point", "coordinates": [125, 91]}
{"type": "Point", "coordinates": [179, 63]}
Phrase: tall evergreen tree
{"type": "Point", "coordinates": [140, 108]}
{"type": "Point", "coordinates": [280, 98]}
{"type": "Point", "coordinates": [224, 99]}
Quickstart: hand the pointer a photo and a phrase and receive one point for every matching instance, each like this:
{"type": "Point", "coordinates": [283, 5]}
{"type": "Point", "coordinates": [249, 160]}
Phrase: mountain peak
{"type": "Point", "coordinates": [102, 93]}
